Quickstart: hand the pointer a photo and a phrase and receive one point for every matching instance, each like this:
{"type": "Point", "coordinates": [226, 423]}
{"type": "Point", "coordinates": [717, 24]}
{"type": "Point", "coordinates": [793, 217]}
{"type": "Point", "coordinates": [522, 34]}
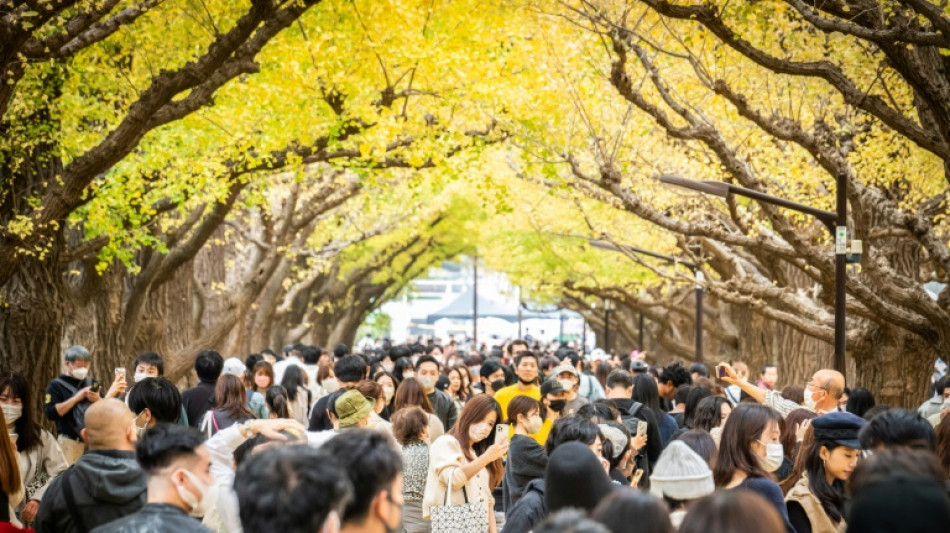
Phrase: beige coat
{"type": "Point", "coordinates": [445, 459]}
{"type": "Point", "coordinates": [820, 522]}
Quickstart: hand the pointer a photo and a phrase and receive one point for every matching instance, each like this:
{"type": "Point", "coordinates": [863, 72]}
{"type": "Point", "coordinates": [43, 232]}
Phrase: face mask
{"type": "Point", "coordinates": [12, 412]}
{"type": "Point", "coordinates": [810, 402]}
{"type": "Point", "coordinates": [407, 375]}
{"type": "Point", "coordinates": [478, 432]}
{"type": "Point", "coordinates": [139, 431]}
{"type": "Point", "coordinates": [774, 455]}
{"type": "Point", "coordinates": [428, 382]}
{"type": "Point", "coordinates": [331, 385]}
{"type": "Point", "coordinates": [558, 405]}
{"type": "Point", "coordinates": [80, 373]}
{"type": "Point", "coordinates": [568, 384]}
{"type": "Point", "coordinates": [497, 385]}
{"type": "Point", "coordinates": [474, 370]}
{"type": "Point", "coordinates": [388, 393]}
{"type": "Point", "coordinates": [414, 359]}
{"type": "Point", "coordinates": [388, 367]}
{"type": "Point", "coordinates": [199, 505]}
{"type": "Point", "coordinates": [140, 376]}
{"type": "Point", "coordinates": [534, 425]}
{"type": "Point", "coordinates": [262, 381]}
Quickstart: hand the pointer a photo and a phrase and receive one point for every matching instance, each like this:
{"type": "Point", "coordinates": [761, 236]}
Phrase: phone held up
{"type": "Point", "coordinates": [501, 433]}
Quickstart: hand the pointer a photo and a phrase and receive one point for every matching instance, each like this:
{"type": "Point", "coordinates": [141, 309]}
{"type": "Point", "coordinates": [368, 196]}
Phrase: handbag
{"type": "Point", "coordinates": [469, 517]}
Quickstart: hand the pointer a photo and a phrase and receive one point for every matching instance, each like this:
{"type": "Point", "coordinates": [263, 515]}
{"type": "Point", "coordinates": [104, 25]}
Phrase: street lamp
{"type": "Point", "coordinates": [697, 274]}
{"type": "Point", "coordinates": [608, 307]}
{"type": "Point", "coordinates": [835, 221]}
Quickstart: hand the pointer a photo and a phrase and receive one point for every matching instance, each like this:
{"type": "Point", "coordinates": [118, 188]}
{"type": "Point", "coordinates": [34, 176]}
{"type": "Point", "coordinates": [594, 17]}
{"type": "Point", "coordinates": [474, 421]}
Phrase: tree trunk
{"type": "Point", "coordinates": [895, 366]}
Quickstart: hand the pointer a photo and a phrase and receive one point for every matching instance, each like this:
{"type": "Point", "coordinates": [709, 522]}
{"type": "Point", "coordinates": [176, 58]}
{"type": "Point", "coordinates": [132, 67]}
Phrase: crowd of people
{"type": "Point", "coordinates": [418, 437]}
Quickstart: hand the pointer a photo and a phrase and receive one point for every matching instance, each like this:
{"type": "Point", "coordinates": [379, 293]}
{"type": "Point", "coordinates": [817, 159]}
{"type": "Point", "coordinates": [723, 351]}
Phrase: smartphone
{"type": "Point", "coordinates": [94, 387]}
{"type": "Point", "coordinates": [119, 371]}
{"type": "Point", "coordinates": [635, 480]}
{"type": "Point", "coordinates": [641, 428]}
{"type": "Point", "coordinates": [501, 433]}
{"type": "Point", "coordinates": [721, 370]}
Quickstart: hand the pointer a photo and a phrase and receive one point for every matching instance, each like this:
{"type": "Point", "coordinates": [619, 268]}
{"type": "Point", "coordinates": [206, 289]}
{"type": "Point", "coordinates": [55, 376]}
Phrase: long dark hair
{"type": "Point", "coordinates": [276, 399]}
{"type": "Point", "coordinates": [230, 397]}
{"type": "Point", "coordinates": [28, 431]}
{"type": "Point", "coordinates": [745, 425]}
{"type": "Point", "coordinates": [292, 381]}
{"type": "Point", "coordinates": [943, 444]}
{"type": "Point", "coordinates": [410, 393]}
{"type": "Point", "coordinates": [705, 412]}
{"type": "Point", "coordinates": [474, 412]}
{"type": "Point", "coordinates": [645, 392]}
{"type": "Point", "coordinates": [831, 496]}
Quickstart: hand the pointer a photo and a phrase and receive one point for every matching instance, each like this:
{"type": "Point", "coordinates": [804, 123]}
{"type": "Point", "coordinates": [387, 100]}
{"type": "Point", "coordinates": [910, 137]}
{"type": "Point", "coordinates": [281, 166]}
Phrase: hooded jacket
{"type": "Point", "coordinates": [529, 511]}
{"type": "Point", "coordinates": [105, 485]}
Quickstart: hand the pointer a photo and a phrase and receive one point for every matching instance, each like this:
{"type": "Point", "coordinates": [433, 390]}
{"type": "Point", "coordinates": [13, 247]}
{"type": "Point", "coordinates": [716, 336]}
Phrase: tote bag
{"type": "Point", "coordinates": [465, 518]}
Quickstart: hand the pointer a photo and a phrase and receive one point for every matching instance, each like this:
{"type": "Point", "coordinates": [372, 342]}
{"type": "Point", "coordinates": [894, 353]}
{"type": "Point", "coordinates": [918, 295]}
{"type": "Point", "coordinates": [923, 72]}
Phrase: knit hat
{"type": "Point", "coordinates": [575, 477]}
{"type": "Point", "coordinates": [352, 407]}
{"type": "Point", "coordinates": [618, 440]}
{"type": "Point", "coordinates": [234, 367]}
{"type": "Point", "coordinates": [681, 474]}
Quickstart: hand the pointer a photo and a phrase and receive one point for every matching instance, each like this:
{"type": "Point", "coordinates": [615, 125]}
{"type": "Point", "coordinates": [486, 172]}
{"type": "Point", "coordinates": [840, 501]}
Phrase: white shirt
{"type": "Point", "coordinates": [281, 366]}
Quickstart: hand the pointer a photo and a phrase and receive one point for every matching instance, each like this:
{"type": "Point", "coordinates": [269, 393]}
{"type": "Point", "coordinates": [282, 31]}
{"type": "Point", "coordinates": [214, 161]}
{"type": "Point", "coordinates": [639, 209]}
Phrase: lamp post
{"type": "Point", "coordinates": [697, 274]}
{"type": "Point", "coordinates": [835, 221]}
{"type": "Point", "coordinates": [608, 307]}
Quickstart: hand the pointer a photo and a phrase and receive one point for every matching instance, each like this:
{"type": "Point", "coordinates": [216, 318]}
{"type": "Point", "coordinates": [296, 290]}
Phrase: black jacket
{"type": "Point", "coordinates": [155, 518]}
{"type": "Point", "coordinates": [444, 408]}
{"type": "Point", "coordinates": [654, 440]}
{"type": "Point", "coordinates": [104, 485]}
{"type": "Point", "coordinates": [529, 511]}
{"type": "Point", "coordinates": [197, 401]}
{"type": "Point", "coordinates": [526, 461]}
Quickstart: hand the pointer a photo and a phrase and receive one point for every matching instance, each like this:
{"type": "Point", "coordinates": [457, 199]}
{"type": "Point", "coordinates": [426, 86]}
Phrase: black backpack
{"type": "Point", "coordinates": [631, 421]}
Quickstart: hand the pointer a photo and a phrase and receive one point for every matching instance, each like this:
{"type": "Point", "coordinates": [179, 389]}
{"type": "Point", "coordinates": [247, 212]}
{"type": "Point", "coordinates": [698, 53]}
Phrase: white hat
{"type": "Point", "coordinates": [598, 354]}
{"type": "Point", "coordinates": [681, 474]}
{"type": "Point", "coordinates": [616, 437]}
{"type": "Point", "coordinates": [565, 368]}
{"type": "Point", "coordinates": [234, 366]}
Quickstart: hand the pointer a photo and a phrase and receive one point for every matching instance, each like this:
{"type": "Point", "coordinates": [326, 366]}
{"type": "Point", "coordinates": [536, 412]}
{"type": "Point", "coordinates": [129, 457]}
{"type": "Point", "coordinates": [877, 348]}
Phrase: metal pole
{"type": "Point", "coordinates": [699, 317]}
{"type": "Point", "coordinates": [841, 250]}
{"type": "Point", "coordinates": [583, 334]}
{"type": "Point", "coordinates": [561, 329]}
{"type": "Point", "coordinates": [475, 306]}
{"type": "Point", "coordinates": [641, 331]}
{"type": "Point", "coordinates": [606, 328]}
{"type": "Point", "coordinates": [520, 304]}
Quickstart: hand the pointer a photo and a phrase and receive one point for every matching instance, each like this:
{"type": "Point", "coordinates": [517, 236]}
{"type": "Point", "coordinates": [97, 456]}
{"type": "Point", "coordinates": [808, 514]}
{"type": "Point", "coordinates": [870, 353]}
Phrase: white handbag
{"type": "Point", "coordinates": [469, 517]}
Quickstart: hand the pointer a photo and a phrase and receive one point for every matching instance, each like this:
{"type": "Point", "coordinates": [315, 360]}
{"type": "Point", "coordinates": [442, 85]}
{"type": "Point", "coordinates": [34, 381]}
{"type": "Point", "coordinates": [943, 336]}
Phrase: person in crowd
{"type": "Point", "coordinates": [681, 477]}
{"type": "Point", "coordinates": [255, 401]}
{"type": "Point", "coordinates": [469, 456]}
{"type": "Point", "coordinates": [732, 511]}
{"type": "Point", "coordinates": [898, 428]}
{"type": "Point", "coordinates": [700, 442]}
{"type": "Point", "coordinates": [199, 399]}
{"type": "Point", "coordinates": [898, 489]}
{"type": "Point", "coordinates": [455, 390]}
{"type": "Point", "coordinates": [177, 468]}
{"type": "Point", "coordinates": [934, 404]}
{"type": "Point", "coordinates": [859, 401]}
{"type": "Point", "coordinates": [230, 405]}
{"type": "Point", "coordinates": [269, 356]}
{"type": "Point", "coordinates": [311, 365]}
{"type": "Point", "coordinates": [105, 484]}
{"type": "Point", "coordinates": [793, 434]}
{"type": "Point", "coordinates": [768, 377]}
{"type": "Point", "coordinates": [70, 395]}
{"type": "Point", "coordinates": [749, 451]}
{"type": "Point", "coordinates": [147, 365]}
{"type": "Point", "coordinates": [569, 521]}
{"type": "Point", "coordinates": [466, 374]}
{"type": "Point", "coordinates": [294, 357]}
{"type": "Point", "coordinates": [491, 377]}
{"type": "Point", "coordinates": [696, 395]}
{"type": "Point", "coordinates": [327, 383]}
{"type": "Point", "coordinates": [353, 410]}
{"type": "Point", "coordinates": [575, 477]}
{"type": "Point", "coordinates": [793, 393]}
{"type": "Point", "coordinates": [633, 511]}
{"type": "Point", "coordinates": [388, 382]}
{"type": "Point", "coordinates": [373, 392]}
{"type": "Point", "coordinates": [587, 385]}
{"type": "Point", "coordinates": [646, 392]}
{"type": "Point", "coordinates": [698, 370]}
{"type": "Point", "coordinates": [404, 369]}
{"type": "Point", "coordinates": [619, 450]}
{"type": "Point", "coordinates": [711, 413]}
{"type": "Point", "coordinates": [515, 347]}
{"type": "Point", "coordinates": [262, 377]}
{"type": "Point", "coordinates": [945, 410]}
{"type": "Point", "coordinates": [40, 458]}
{"type": "Point", "coordinates": [349, 370]}
{"type": "Point", "coordinates": [531, 508]}
{"type": "Point", "coordinates": [374, 468]}
{"type": "Point", "coordinates": [620, 392]}
{"type": "Point", "coordinates": [733, 392]}
{"type": "Point", "coordinates": [816, 502]}
{"type": "Point", "coordinates": [678, 412]}
{"type": "Point", "coordinates": [526, 458]}
{"type": "Point", "coordinates": [526, 368]}
{"type": "Point", "coordinates": [410, 427]}
{"type": "Point", "coordinates": [410, 394]}
{"type": "Point", "coordinates": [843, 400]}
{"type": "Point", "coordinates": [11, 485]}
{"type": "Point", "coordinates": [670, 378]}
{"type": "Point", "coordinates": [293, 489]}
{"type": "Point", "coordinates": [821, 392]}
{"type": "Point", "coordinates": [569, 378]}
{"type": "Point", "coordinates": [601, 371]}
{"type": "Point", "coordinates": [943, 444]}
{"type": "Point", "coordinates": [277, 402]}
{"type": "Point", "coordinates": [427, 368]}
{"type": "Point", "coordinates": [639, 366]}
{"type": "Point", "coordinates": [298, 395]}
{"type": "Point", "coordinates": [154, 401]}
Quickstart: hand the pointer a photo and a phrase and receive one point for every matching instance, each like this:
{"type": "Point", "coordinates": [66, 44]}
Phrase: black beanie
{"type": "Point", "coordinates": [900, 504]}
{"type": "Point", "coordinates": [575, 478]}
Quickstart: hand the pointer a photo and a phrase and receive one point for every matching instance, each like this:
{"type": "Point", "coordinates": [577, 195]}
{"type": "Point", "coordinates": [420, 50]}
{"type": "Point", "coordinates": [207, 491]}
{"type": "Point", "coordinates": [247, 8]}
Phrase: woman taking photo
{"type": "Point", "coordinates": [749, 451]}
{"type": "Point", "coordinates": [468, 456]}
{"type": "Point", "coordinates": [40, 458]}
{"type": "Point", "coordinates": [816, 503]}
{"type": "Point", "coordinates": [526, 458]}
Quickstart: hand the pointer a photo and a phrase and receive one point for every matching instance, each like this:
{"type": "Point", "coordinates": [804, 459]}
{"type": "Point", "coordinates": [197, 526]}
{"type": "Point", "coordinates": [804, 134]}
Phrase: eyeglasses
{"type": "Point", "coordinates": [812, 384]}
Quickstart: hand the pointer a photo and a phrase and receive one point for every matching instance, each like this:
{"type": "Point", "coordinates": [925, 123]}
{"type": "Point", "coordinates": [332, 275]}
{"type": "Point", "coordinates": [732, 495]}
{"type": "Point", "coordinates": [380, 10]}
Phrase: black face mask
{"type": "Point", "coordinates": [558, 405]}
{"type": "Point", "coordinates": [497, 385]}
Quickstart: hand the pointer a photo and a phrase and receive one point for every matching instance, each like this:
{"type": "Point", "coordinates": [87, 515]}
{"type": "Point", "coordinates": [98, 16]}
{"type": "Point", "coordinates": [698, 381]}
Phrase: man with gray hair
{"type": "Point", "coordinates": [68, 397]}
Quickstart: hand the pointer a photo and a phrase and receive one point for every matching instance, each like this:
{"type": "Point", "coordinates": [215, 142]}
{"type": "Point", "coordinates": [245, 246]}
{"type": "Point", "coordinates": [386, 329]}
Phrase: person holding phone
{"type": "Point", "coordinates": [526, 458]}
{"type": "Point", "coordinates": [469, 456]}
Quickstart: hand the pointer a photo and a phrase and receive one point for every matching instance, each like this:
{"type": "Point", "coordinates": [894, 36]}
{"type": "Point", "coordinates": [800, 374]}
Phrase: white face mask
{"type": "Point", "coordinates": [140, 376]}
{"type": "Point", "coordinates": [80, 373]}
{"type": "Point", "coordinates": [478, 432]}
{"type": "Point", "coordinates": [428, 382]}
{"type": "Point", "coordinates": [331, 385]}
{"type": "Point", "coordinates": [534, 425]}
{"type": "Point", "coordinates": [199, 505]}
{"type": "Point", "coordinates": [810, 402]}
{"type": "Point", "coordinates": [12, 412]}
{"type": "Point", "coordinates": [139, 431]}
{"type": "Point", "coordinates": [388, 367]}
{"type": "Point", "coordinates": [774, 455]}
{"type": "Point", "coordinates": [567, 383]}
{"type": "Point", "coordinates": [388, 393]}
